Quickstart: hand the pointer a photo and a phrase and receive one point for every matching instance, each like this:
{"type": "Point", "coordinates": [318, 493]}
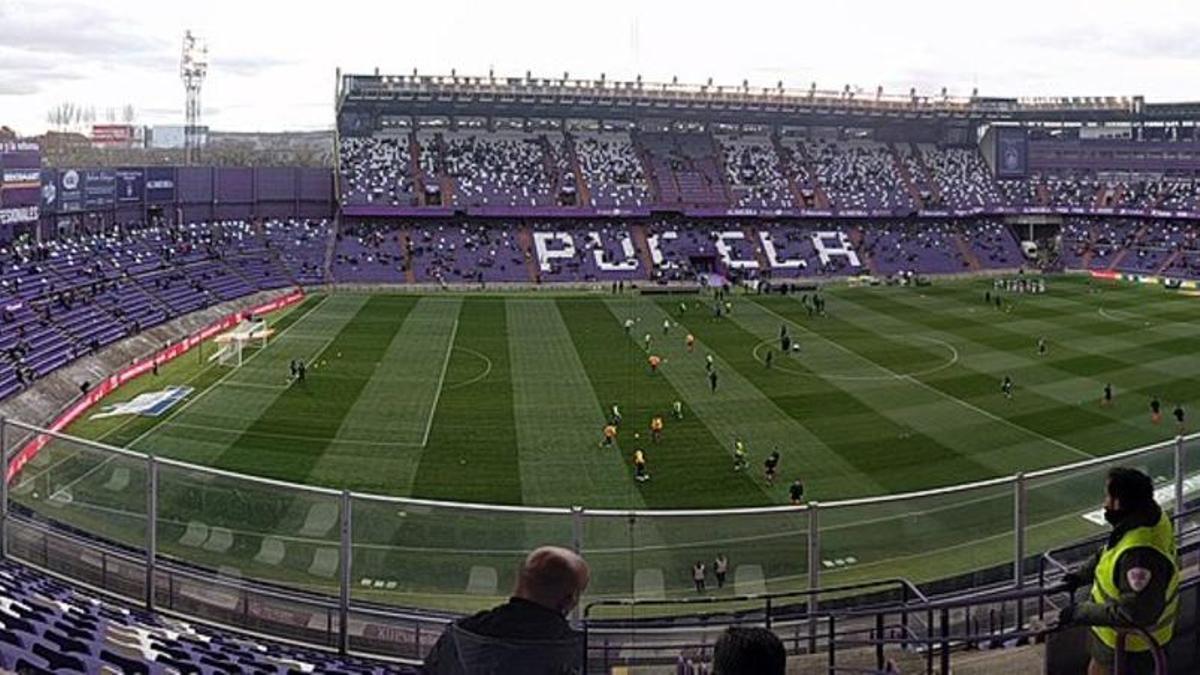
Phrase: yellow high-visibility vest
{"type": "Point", "coordinates": [1160, 537]}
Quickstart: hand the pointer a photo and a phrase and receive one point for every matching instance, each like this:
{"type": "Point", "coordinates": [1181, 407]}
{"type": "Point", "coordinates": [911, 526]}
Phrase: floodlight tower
{"type": "Point", "coordinates": [193, 66]}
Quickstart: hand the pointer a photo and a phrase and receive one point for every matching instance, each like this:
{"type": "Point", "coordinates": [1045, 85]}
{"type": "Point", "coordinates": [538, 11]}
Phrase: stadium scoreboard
{"type": "Point", "coordinates": [20, 182]}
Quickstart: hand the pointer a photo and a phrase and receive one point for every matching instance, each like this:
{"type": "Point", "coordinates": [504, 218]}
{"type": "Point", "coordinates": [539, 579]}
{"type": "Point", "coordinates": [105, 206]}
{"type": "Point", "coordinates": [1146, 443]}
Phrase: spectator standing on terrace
{"type": "Point", "coordinates": [721, 569]}
{"type": "Point", "coordinates": [749, 651]}
{"type": "Point", "coordinates": [1134, 577]}
{"type": "Point", "coordinates": [529, 633]}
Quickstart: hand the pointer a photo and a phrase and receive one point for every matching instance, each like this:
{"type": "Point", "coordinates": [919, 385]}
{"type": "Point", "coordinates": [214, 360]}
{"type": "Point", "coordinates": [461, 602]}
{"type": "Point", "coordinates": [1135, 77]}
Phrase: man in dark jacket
{"type": "Point", "coordinates": [528, 634]}
{"type": "Point", "coordinates": [1134, 577]}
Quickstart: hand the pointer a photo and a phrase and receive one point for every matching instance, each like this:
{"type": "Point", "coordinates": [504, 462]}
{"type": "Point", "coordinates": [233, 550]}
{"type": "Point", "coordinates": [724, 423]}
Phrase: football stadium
{"type": "Point", "coordinates": [818, 381]}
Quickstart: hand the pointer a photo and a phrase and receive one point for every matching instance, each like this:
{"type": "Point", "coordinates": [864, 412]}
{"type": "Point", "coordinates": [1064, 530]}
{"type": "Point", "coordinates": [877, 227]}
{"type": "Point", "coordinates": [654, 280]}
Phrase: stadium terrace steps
{"type": "Point", "coordinates": [1169, 262]}
{"type": "Point", "coordinates": [966, 252]}
{"type": "Point", "coordinates": [902, 168]}
{"type": "Point", "coordinates": [760, 256]}
{"type": "Point", "coordinates": [581, 184]}
{"type": "Point", "coordinates": [786, 161]}
{"type": "Point", "coordinates": [410, 275]}
{"type": "Point", "coordinates": [934, 189]}
{"type": "Point", "coordinates": [642, 244]}
{"type": "Point", "coordinates": [525, 242]}
{"type": "Point", "coordinates": [331, 248]}
{"type": "Point", "coordinates": [1126, 247]}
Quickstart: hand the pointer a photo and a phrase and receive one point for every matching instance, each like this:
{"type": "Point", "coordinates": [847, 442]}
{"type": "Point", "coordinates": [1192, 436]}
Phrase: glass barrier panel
{"type": "Point", "coordinates": [75, 484]}
{"type": "Point", "coordinates": [1067, 506]}
{"type": "Point", "coordinates": [655, 557]}
{"type": "Point", "coordinates": [444, 557]}
{"type": "Point", "coordinates": [244, 528]}
{"type": "Point", "coordinates": [923, 538]}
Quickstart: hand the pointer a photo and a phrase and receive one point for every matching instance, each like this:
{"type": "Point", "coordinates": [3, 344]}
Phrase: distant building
{"type": "Point", "coordinates": [117, 136]}
{"type": "Point", "coordinates": [171, 137]}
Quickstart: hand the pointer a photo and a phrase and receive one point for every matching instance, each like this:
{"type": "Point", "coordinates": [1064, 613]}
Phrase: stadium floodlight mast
{"type": "Point", "coordinates": [193, 66]}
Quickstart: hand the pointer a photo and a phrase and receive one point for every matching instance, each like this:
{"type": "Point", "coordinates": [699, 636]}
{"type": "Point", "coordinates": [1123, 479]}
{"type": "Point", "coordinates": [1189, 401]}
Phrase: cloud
{"type": "Point", "coordinates": [247, 65]}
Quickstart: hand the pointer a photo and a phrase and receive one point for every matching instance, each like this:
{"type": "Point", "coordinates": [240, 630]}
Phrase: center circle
{"type": "Point", "coordinates": [482, 372]}
{"type": "Point", "coordinates": [881, 372]}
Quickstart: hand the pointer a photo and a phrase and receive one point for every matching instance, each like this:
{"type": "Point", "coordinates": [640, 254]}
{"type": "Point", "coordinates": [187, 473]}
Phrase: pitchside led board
{"type": "Point", "coordinates": [20, 182]}
{"type": "Point", "coordinates": [1012, 153]}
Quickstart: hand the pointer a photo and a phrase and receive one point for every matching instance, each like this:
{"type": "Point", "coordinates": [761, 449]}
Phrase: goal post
{"type": "Point", "coordinates": [231, 345]}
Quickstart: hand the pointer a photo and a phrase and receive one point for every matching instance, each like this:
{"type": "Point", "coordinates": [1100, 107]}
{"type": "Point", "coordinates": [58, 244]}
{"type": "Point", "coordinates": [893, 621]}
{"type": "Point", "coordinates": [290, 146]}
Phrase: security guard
{"type": "Point", "coordinates": [1134, 577]}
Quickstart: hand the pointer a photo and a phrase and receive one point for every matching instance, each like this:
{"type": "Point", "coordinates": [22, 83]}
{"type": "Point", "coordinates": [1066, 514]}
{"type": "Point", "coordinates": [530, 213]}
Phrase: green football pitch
{"type": "Point", "coordinates": [502, 398]}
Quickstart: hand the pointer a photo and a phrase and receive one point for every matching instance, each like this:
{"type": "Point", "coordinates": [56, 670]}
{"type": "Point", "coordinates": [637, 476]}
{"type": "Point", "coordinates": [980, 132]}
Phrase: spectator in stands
{"type": "Point", "coordinates": [1134, 577]}
{"type": "Point", "coordinates": [529, 634]}
{"type": "Point", "coordinates": [749, 651]}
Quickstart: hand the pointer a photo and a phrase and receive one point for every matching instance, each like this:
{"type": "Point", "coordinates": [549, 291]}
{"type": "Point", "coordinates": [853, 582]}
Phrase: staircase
{"type": "Point", "coordinates": [1168, 262]}
{"type": "Point", "coordinates": [444, 181]}
{"type": "Point", "coordinates": [525, 241]}
{"type": "Point", "coordinates": [582, 189]}
{"type": "Point", "coordinates": [751, 232]}
{"type": "Point", "coordinates": [410, 275]}
{"type": "Point", "coordinates": [331, 248]}
{"type": "Point", "coordinates": [902, 168]}
{"type": "Point", "coordinates": [1090, 253]}
{"type": "Point", "coordinates": [934, 190]}
{"type": "Point", "coordinates": [641, 241]}
{"type": "Point", "coordinates": [819, 197]}
{"type": "Point", "coordinates": [965, 249]}
{"type": "Point", "coordinates": [550, 166]}
{"type": "Point", "coordinates": [789, 171]}
{"type": "Point", "coordinates": [857, 238]}
{"type": "Point", "coordinates": [647, 169]}
{"type": "Point", "coordinates": [414, 167]}
{"type": "Point", "coordinates": [1125, 250]}
{"type": "Point", "coordinates": [722, 170]}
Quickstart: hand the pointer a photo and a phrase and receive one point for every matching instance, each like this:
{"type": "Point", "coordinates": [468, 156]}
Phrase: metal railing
{"type": "Point", "coordinates": [381, 575]}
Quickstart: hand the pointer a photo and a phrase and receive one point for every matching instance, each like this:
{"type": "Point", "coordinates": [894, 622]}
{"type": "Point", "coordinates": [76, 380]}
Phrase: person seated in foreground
{"type": "Point", "coordinates": [528, 634]}
{"type": "Point", "coordinates": [749, 651]}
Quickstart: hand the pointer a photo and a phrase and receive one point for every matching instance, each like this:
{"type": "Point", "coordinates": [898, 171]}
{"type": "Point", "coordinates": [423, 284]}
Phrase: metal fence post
{"type": "Point", "coordinates": [576, 545]}
{"type": "Point", "coordinates": [4, 488]}
{"type": "Point", "coordinates": [814, 572]}
{"type": "Point", "coordinates": [1019, 518]}
{"type": "Point", "coordinates": [151, 527]}
{"type": "Point", "coordinates": [344, 585]}
{"type": "Point", "coordinates": [1179, 474]}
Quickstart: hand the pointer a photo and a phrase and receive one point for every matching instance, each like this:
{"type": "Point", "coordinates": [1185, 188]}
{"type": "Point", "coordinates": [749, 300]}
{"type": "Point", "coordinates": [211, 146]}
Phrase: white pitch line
{"type": "Point", "coordinates": [939, 392]}
{"type": "Point", "coordinates": [441, 380]}
{"type": "Point", "coordinates": [286, 437]}
{"type": "Point", "coordinates": [188, 404]}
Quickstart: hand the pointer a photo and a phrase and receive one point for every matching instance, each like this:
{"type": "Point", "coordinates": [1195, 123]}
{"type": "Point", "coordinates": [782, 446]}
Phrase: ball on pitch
{"type": "Point", "coordinates": [636, 435]}
{"type": "Point", "coordinates": [462, 461]}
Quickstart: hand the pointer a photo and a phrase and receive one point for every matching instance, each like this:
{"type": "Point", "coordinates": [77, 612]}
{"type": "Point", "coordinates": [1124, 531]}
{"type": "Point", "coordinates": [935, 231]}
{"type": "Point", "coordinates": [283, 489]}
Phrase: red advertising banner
{"type": "Point", "coordinates": [137, 369]}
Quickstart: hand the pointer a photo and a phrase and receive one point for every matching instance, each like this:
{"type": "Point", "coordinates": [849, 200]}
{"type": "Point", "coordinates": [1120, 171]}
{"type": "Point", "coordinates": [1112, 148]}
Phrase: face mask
{"type": "Point", "coordinates": [1112, 516]}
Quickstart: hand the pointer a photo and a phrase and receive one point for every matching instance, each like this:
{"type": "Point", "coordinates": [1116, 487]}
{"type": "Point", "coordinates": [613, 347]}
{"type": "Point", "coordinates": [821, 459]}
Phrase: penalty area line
{"type": "Point", "coordinates": [437, 396]}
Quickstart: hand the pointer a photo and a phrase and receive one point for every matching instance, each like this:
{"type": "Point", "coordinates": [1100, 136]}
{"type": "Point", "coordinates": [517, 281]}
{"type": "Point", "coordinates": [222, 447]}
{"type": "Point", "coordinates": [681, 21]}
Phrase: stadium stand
{"type": "Point", "coordinates": [50, 626]}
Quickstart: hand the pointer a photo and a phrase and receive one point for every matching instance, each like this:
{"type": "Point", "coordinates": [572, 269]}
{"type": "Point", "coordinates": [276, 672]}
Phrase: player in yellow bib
{"type": "Point", "coordinates": [639, 466]}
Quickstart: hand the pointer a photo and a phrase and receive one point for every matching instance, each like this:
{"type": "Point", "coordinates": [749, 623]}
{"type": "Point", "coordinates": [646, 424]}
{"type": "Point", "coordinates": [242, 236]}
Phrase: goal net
{"type": "Point", "coordinates": [232, 345]}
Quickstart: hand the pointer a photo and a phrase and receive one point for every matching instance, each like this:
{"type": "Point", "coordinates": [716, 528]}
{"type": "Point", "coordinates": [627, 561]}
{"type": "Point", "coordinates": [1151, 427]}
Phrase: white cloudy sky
{"type": "Point", "coordinates": [273, 62]}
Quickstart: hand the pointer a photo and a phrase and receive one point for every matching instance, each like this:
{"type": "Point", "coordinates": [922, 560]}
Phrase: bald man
{"type": "Point", "coordinates": [529, 633]}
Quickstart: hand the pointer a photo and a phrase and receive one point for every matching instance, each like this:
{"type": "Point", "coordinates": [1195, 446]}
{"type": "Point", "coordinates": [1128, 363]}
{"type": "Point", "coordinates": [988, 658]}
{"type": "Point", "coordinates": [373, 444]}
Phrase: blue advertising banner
{"type": "Point", "coordinates": [131, 185]}
{"type": "Point", "coordinates": [1012, 153]}
{"type": "Point", "coordinates": [20, 177]}
{"type": "Point", "coordinates": [99, 188]}
{"type": "Point", "coordinates": [160, 184]}
{"type": "Point", "coordinates": [70, 191]}
{"type": "Point", "coordinates": [49, 191]}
